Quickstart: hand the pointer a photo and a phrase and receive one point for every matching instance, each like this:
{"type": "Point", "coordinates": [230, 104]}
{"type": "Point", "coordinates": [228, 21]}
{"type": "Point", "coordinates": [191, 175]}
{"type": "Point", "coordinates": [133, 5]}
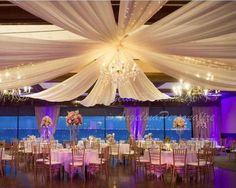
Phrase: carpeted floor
{"type": "Point", "coordinates": [223, 161]}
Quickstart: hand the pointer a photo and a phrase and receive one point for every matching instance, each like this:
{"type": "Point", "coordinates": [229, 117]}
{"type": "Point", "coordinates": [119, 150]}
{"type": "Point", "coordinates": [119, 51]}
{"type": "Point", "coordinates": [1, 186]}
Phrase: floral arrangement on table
{"type": "Point", "coordinates": [179, 123]}
{"type": "Point", "coordinates": [46, 121]}
{"type": "Point", "coordinates": [74, 118]}
{"type": "Point", "coordinates": [31, 137]}
{"type": "Point", "coordinates": [148, 136]}
{"type": "Point", "coordinates": [111, 138]}
{"type": "Point", "coordinates": [167, 140]}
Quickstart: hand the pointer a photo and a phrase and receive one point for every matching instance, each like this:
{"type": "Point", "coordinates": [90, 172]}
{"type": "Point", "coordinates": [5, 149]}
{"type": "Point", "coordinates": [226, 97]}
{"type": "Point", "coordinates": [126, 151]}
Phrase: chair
{"type": "Point", "coordinates": [156, 165]}
{"type": "Point", "coordinates": [1, 162]}
{"type": "Point", "coordinates": [11, 159]}
{"type": "Point", "coordinates": [114, 151]}
{"type": "Point", "coordinates": [95, 144]}
{"type": "Point", "coordinates": [102, 165]}
{"type": "Point", "coordinates": [232, 149]}
{"type": "Point", "coordinates": [128, 154]}
{"type": "Point", "coordinates": [210, 152]}
{"type": "Point", "coordinates": [51, 167]}
{"type": "Point", "coordinates": [140, 162]}
{"type": "Point", "coordinates": [77, 162]}
{"type": "Point", "coordinates": [197, 170]}
{"type": "Point", "coordinates": [38, 160]}
{"type": "Point", "coordinates": [179, 163]}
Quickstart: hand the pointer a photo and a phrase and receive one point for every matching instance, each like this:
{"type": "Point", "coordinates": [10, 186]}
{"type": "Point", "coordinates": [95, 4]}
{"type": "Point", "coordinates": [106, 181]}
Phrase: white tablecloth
{"type": "Point", "coordinates": [64, 156]}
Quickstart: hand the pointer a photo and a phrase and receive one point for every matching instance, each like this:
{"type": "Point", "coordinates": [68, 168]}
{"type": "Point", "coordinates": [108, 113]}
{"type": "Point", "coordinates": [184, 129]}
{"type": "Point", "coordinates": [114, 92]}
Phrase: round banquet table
{"type": "Point", "coordinates": [167, 157]}
{"type": "Point", "coordinates": [64, 156]}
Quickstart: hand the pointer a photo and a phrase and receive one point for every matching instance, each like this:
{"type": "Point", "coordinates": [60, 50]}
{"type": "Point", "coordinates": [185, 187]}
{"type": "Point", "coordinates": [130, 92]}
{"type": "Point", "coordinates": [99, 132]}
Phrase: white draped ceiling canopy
{"type": "Point", "coordinates": [192, 42]}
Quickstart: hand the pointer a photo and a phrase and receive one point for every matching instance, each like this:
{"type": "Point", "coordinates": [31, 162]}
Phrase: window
{"type": "Point", "coordinates": [28, 126]}
{"type": "Point", "coordinates": [155, 125]}
{"type": "Point", "coordinates": [117, 125]}
{"type": "Point", "coordinates": [8, 128]}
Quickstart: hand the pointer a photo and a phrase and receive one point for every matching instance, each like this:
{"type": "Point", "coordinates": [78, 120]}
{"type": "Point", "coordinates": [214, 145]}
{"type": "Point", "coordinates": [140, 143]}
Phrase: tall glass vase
{"type": "Point", "coordinates": [179, 132]}
{"type": "Point", "coordinates": [73, 134]}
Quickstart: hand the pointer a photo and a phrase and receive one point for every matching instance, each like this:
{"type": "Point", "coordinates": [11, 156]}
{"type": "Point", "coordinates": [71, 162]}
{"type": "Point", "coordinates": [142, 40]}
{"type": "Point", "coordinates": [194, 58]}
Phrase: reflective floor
{"type": "Point", "coordinates": [120, 177]}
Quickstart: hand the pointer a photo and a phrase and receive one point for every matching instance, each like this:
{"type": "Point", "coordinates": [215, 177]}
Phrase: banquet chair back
{"type": "Point", "coordinates": [46, 151]}
{"type": "Point", "coordinates": [77, 161]}
{"type": "Point", "coordinates": [114, 149]}
{"type": "Point", "coordinates": [87, 144]}
{"type": "Point", "coordinates": [77, 156]}
{"type": "Point", "coordinates": [155, 155]}
{"type": "Point", "coordinates": [1, 162]}
{"type": "Point", "coordinates": [208, 145]}
{"type": "Point", "coordinates": [51, 166]}
{"type": "Point", "coordinates": [179, 163]}
{"type": "Point", "coordinates": [179, 156]}
{"type": "Point", "coordinates": [95, 145]}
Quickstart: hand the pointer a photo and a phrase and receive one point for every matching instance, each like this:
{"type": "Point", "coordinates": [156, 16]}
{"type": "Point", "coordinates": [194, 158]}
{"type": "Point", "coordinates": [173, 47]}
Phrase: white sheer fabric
{"type": "Point", "coordinates": [90, 19]}
{"type": "Point", "coordinates": [190, 43]}
{"type": "Point", "coordinates": [16, 50]}
{"type": "Point", "coordinates": [133, 14]}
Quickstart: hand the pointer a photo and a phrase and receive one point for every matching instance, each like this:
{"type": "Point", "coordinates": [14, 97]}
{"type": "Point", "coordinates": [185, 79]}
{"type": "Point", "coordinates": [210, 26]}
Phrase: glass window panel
{"type": "Point", "coordinates": [8, 128]}
{"type": "Point", "coordinates": [62, 132]}
{"type": "Point", "coordinates": [155, 125]}
{"type": "Point", "coordinates": [92, 126]}
{"type": "Point", "coordinates": [28, 126]}
{"type": "Point", "coordinates": [173, 134]}
{"type": "Point", "coordinates": [117, 125]}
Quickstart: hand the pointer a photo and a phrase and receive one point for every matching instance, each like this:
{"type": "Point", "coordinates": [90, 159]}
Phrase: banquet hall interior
{"type": "Point", "coordinates": [117, 93]}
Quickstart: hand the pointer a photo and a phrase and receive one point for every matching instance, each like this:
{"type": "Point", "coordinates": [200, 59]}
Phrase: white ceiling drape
{"type": "Point", "coordinates": [190, 43]}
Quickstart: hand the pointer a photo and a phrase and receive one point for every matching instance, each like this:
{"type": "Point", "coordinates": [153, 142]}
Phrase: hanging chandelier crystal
{"type": "Point", "coordinates": [186, 92]}
{"type": "Point", "coordinates": [119, 70]}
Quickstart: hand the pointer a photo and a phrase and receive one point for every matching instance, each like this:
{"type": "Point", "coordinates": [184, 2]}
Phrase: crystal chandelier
{"type": "Point", "coordinates": [185, 91]}
{"type": "Point", "coordinates": [119, 70]}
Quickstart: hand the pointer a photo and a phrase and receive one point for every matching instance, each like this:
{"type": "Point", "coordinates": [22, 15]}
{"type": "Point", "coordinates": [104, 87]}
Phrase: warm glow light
{"type": "Point", "coordinates": [186, 86]}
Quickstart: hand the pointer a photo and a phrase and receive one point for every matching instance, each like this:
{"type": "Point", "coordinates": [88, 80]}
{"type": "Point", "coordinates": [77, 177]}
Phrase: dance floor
{"type": "Point", "coordinates": [120, 176]}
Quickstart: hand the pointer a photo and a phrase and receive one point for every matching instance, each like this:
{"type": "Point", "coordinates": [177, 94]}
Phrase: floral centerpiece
{"type": "Point", "coordinates": [111, 138]}
{"type": "Point", "coordinates": [148, 136]}
{"type": "Point", "coordinates": [46, 123]}
{"type": "Point", "coordinates": [179, 124]}
{"type": "Point", "coordinates": [73, 120]}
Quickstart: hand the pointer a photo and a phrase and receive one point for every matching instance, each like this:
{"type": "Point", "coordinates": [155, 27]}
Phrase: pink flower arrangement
{"type": "Point", "coordinates": [179, 123]}
{"type": "Point", "coordinates": [74, 118]}
{"type": "Point", "coordinates": [46, 121]}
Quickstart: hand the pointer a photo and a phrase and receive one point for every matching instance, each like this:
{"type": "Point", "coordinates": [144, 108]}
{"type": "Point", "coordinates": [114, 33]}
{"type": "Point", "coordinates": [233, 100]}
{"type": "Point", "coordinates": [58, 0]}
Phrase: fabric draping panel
{"type": "Point", "coordinates": [52, 111]}
{"type": "Point", "coordinates": [36, 73]}
{"type": "Point", "coordinates": [136, 120]}
{"type": "Point", "coordinates": [141, 89]}
{"type": "Point", "coordinates": [15, 50]}
{"type": "Point", "coordinates": [100, 94]}
{"type": "Point", "coordinates": [206, 122]}
{"type": "Point", "coordinates": [90, 19]}
{"type": "Point", "coordinates": [79, 84]}
{"type": "Point", "coordinates": [133, 14]}
{"type": "Point", "coordinates": [188, 31]}
{"type": "Point", "coordinates": [223, 79]}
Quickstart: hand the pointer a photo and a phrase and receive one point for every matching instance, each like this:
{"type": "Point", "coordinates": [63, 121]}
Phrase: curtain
{"type": "Point", "coordinates": [52, 111]}
{"type": "Point", "coordinates": [190, 43]}
{"type": "Point", "coordinates": [136, 120]}
{"type": "Point", "coordinates": [207, 122]}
